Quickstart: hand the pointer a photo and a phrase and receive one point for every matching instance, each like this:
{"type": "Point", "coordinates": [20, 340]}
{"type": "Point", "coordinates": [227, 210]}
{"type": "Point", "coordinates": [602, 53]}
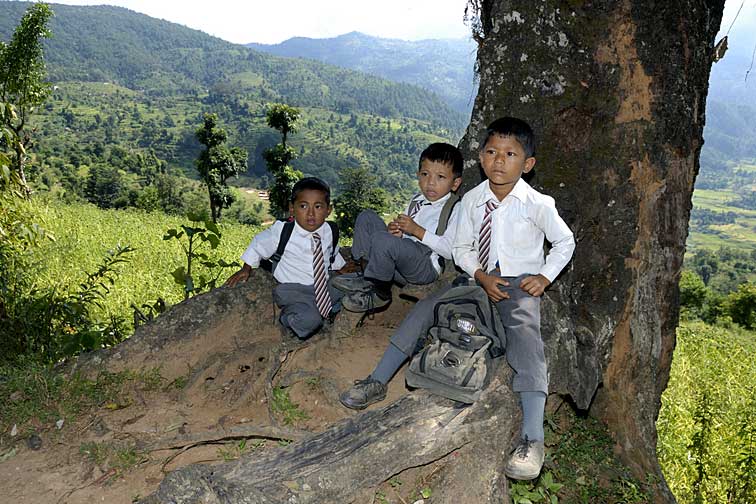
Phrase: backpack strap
{"type": "Point", "coordinates": [443, 221]}
{"type": "Point", "coordinates": [271, 263]}
{"type": "Point", "coordinates": [335, 239]}
{"type": "Point", "coordinates": [496, 349]}
{"type": "Point", "coordinates": [446, 211]}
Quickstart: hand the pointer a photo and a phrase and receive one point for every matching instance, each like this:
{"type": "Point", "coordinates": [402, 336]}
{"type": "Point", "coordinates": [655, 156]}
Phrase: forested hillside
{"type": "Point", "coordinates": [130, 91]}
{"type": "Point", "coordinates": [724, 201]}
{"type": "Point", "coordinates": [443, 66]}
{"type": "Point", "coordinates": [730, 131]}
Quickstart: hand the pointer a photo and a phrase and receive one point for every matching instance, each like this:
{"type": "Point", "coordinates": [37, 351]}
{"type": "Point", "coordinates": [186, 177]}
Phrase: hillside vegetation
{"type": "Point", "coordinates": [127, 84]}
{"type": "Point", "coordinates": [444, 66]}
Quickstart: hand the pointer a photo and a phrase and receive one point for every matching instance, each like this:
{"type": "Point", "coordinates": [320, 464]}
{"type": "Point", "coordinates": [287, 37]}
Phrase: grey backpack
{"type": "Point", "coordinates": [465, 339]}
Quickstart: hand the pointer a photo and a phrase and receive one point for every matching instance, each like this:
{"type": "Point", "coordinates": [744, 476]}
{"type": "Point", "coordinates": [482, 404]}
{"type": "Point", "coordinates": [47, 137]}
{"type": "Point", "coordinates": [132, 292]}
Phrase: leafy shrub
{"type": "Point", "coordinates": [358, 191]}
{"type": "Point", "coordinates": [199, 240]}
{"type": "Point", "coordinates": [741, 305]}
{"type": "Point", "coordinates": [56, 322]}
{"type": "Point", "coordinates": [703, 448]}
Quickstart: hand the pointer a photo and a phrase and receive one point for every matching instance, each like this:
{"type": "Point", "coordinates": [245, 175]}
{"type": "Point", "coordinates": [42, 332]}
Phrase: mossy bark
{"type": "Point", "coordinates": [616, 92]}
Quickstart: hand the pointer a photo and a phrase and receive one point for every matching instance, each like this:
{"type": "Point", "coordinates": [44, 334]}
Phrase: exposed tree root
{"type": "Point", "coordinates": [235, 432]}
{"type": "Point", "coordinates": [357, 453]}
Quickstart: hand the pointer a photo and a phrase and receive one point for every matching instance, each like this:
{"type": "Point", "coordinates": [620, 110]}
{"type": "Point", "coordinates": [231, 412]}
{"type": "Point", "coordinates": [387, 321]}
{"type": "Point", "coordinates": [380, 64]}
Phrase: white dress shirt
{"type": "Point", "coordinates": [518, 228]}
{"type": "Point", "coordinates": [296, 261]}
{"type": "Point", "coordinates": [427, 217]}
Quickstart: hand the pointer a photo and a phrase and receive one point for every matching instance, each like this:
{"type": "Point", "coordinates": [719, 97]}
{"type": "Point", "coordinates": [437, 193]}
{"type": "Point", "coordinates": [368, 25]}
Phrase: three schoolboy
{"type": "Point", "coordinates": [497, 239]}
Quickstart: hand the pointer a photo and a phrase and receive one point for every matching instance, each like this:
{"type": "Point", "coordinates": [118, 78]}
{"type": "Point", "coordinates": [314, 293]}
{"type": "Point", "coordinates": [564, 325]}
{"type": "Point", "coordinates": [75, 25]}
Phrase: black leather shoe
{"type": "Point", "coordinates": [363, 393]}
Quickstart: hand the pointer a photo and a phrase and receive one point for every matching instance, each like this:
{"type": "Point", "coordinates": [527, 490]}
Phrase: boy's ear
{"type": "Point", "coordinates": [330, 209]}
{"type": "Point", "coordinates": [529, 164]}
{"type": "Point", "coordinates": [457, 182]}
{"type": "Point", "coordinates": [291, 209]}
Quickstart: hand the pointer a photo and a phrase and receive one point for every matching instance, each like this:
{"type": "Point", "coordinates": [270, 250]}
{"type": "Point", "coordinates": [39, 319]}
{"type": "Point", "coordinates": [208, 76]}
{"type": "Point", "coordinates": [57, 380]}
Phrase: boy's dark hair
{"type": "Point", "coordinates": [517, 128]}
{"type": "Point", "coordinates": [312, 183]}
{"type": "Point", "coordinates": [443, 153]}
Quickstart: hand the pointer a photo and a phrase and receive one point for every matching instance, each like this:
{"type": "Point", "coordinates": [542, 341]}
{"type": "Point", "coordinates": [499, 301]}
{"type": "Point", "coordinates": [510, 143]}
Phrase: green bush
{"type": "Point", "coordinates": [741, 305]}
{"type": "Point", "coordinates": [45, 309]}
{"type": "Point", "coordinates": [703, 447]}
{"type": "Point", "coordinates": [357, 192]}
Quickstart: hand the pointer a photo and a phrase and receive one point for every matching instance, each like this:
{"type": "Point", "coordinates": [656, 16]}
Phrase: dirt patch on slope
{"type": "Point", "coordinates": [217, 408]}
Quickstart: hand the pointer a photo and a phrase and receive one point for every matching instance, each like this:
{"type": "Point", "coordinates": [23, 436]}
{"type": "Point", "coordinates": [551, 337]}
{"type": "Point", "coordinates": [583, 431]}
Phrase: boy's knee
{"type": "Point", "coordinates": [366, 215]}
{"type": "Point", "coordinates": [304, 322]}
{"type": "Point", "coordinates": [367, 212]}
{"type": "Point", "coordinates": [384, 243]}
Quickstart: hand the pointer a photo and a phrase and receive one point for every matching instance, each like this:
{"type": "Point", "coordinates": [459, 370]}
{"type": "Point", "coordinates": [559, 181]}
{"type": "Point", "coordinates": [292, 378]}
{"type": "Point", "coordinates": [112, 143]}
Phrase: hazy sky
{"type": "Point", "coordinates": [272, 21]}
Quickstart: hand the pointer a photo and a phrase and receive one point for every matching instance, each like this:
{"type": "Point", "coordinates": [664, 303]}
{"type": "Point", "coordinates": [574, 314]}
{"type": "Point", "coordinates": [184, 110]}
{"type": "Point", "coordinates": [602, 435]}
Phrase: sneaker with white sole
{"type": "Point", "coordinates": [351, 282]}
{"type": "Point", "coordinates": [360, 302]}
{"type": "Point", "coordinates": [526, 460]}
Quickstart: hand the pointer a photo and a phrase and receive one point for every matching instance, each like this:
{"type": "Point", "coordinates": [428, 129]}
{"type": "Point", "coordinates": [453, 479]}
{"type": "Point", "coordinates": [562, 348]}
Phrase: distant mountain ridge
{"type": "Point", "coordinates": [730, 130]}
{"type": "Point", "coordinates": [443, 66]}
{"type": "Point", "coordinates": [128, 85]}
{"type": "Point", "coordinates": [113, 44]}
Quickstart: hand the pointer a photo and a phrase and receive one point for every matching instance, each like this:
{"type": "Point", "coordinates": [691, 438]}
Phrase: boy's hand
{"type": "Point", "coordinates": [490, 284]}
{"type": "Point", "coordinates": [393, 228]}
{"type": "Point", "coordinates": [240, 276]}
{"type": "Point", "coordinates": [409, 226]}
{"type": "Point", "coordinates": [535, 285]}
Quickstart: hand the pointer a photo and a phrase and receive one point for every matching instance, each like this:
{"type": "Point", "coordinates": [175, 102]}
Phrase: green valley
{"type": "Point", "coordinates": [128, 87]}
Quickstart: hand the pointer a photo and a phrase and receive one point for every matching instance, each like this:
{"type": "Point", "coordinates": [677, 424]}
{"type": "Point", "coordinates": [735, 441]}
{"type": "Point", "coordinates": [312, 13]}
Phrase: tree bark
{"type": "Point", "coordinates": [616, 92]}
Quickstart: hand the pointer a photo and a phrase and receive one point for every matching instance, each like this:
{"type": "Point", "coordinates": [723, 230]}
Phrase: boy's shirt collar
{"type": "Point", "coordinates": [303, 232]}
{"type": "Point", "coordinates": [519, 191]}
{"type": "Point", "coordinates": [441, 200]}
{"type": "Point", "coordinates": [424, 201]}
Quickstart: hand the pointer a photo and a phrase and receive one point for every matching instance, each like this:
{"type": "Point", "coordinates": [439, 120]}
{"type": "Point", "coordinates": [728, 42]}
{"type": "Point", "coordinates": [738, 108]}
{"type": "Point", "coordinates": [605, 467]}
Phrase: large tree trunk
{"type": "Point", "coordinates": [615, 91]}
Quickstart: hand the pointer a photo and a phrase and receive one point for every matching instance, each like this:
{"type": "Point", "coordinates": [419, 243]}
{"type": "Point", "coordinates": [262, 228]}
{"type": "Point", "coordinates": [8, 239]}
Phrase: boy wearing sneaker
{"type": "Point", "coordinates": [302, 271]}
{"type": "Point", "coordinates": [501, 229]}
{"type": "Point", "coordinates": [408, 250]}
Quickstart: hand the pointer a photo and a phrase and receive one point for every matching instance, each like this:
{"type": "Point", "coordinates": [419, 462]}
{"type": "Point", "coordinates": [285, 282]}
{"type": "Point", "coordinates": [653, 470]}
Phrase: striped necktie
{"type": "Point", "coordinates": [484, 237]}
{"type": "Point", "coordinates": [322, 298]}
{"type": "Point", "coordinates": [415, 207]}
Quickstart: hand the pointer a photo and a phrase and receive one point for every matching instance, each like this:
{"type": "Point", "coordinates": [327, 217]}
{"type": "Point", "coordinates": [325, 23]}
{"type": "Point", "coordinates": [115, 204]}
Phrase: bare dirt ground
{"type": "Point", "coordinates": [234, 404]}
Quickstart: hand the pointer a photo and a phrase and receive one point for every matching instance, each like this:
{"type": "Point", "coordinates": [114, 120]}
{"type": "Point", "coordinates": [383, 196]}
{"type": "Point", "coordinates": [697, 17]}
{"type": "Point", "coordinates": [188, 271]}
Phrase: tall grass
{"type": "Point", "coordinates": [84, 233]}
{"type": "Point", "coordinates": [704, 443]}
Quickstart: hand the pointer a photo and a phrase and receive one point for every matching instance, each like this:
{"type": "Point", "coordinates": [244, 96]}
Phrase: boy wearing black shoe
{"type": "Point", "coordinates": [413, 247]}
{"type": "Point", "coordinates": [502, 226]}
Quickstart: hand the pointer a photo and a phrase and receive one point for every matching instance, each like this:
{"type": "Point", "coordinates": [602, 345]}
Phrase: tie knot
{"type": "Point", "coordinates": [316, 237]}
{"type": "Point", "coordinates": [492, 205]}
